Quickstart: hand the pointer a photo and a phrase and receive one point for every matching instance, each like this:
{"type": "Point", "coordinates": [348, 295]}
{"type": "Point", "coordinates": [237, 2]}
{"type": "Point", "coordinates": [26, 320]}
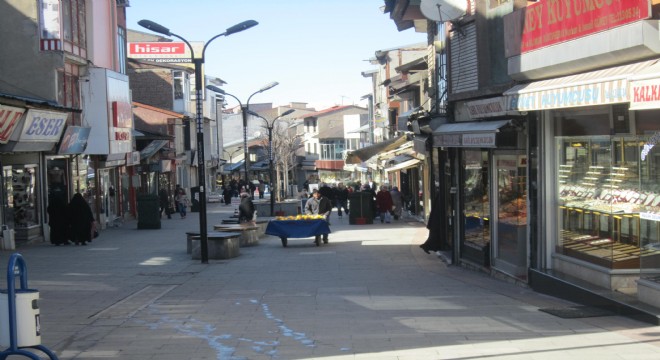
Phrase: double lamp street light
{"type": "Point", "coordinates": [269, 126]}
{"type": "Point", "coordinates": [245, 109]}
{"type": "Point", "coordinates": [199, 80]}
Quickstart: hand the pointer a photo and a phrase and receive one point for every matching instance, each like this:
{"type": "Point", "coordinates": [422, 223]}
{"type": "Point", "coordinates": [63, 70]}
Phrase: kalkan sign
{"type": "Point", "coordinates": [159, 51]}
{"type": "Point", "coordinates": [645, 94]}
{"type": "Point", "coordinates": [553, 21]}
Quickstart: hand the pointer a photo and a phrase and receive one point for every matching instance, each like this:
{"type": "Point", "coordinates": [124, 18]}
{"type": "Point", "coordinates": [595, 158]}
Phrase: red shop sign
{"type": "Point", "coordinates": [553, 21]}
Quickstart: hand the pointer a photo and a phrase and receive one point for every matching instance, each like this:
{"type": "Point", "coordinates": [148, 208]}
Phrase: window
{"type": "Point", "coordinates": [74, 25]}
{"type": "Point", "coordinates": [121, 49]}
{"type": "Point", "coordinates": [68, 93]}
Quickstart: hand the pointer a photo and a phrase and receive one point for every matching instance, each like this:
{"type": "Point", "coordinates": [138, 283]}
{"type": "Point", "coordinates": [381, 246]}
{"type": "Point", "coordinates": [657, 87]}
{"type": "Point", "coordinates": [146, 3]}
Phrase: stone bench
{"type": "Point", "coordinates": [221, 245]}
{"type": "Point", "coordinates": [230, 221]}
{"type": "Point", "coordinates": [189, 238]}
{"type": "Point", "coordinates": [249, 232]}
{"type": "Point", "coordinates": [262, 223]}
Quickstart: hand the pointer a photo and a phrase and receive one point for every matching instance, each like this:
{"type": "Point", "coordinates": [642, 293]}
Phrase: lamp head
{"type": "Point", "coordinates": [215, 89]}
{"type": "Point", "coordinates": [155, 27]}
{"type": "Point", "coordinates": [288, 112]}
{"type": "Point", "coordinates": [252, 113]}
{"type": "Point", "coordinates": [240, 27]}
{"type": "Point", "coordinates": [269, 86]}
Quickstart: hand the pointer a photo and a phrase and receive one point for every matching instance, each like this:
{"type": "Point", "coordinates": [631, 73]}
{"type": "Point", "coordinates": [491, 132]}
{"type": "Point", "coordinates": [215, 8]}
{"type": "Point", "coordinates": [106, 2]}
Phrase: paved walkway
{"type": "Point", "coordinates": [369, 294]}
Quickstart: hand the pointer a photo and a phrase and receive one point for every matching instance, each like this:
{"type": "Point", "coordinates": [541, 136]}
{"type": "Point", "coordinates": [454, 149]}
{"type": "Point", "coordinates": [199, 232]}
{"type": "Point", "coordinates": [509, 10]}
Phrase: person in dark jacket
{"type": "Point", "coordinates": [341, 197]}
{"type": "Point", "coordinates": [57, 220]}
{"type": "Point", "coordinates": [80, 219]}
{"type": "Point", "coordinates": [384, 204]}
{"type": "Point", "coordinates": [164, 201]}
{"type": "Point", "coordinates": [246, 208]}
{"type": "Point", "coordinates": [434, 241]}
{"type": "Point", "coordinates": [319, 205]}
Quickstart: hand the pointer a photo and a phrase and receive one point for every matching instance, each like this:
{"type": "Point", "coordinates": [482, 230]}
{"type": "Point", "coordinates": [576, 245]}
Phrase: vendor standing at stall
{"type": "Point", "coordinates": [319, 205]}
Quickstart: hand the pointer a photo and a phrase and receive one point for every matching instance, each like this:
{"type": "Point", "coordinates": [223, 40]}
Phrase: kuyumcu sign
{"type": "Point", "coordinates": [550, 22]}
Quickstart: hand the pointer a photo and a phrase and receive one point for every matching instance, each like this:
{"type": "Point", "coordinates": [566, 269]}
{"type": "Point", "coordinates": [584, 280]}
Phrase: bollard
{"type": "Point", "coordinates": [21, 321]}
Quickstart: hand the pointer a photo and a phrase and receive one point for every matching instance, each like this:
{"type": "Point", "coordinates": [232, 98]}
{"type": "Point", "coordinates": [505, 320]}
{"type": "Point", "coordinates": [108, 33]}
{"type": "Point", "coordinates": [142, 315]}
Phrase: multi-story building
{"type": "Point", "coordinates": [324, 141]}
{"type": "Point", "coordinates": [550, 144]}
{"type": "Point", "coordinates": [63, 77]}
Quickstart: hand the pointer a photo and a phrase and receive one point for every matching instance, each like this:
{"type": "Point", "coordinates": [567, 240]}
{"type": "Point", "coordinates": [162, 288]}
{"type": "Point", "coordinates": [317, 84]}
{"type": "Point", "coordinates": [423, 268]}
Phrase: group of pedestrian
{"type": "Point", "coordinates": [181, 202]}
{"type": "Point", "coordinates": [71, 223]}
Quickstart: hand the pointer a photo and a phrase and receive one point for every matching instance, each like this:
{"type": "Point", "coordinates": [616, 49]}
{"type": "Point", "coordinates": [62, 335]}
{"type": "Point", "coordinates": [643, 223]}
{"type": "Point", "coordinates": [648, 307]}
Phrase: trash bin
{"type": "Point", "coordinates": [194, 199]}
{"type": "Point", "coordinates": [148, 209]}
{"type": "Point", "coordinates": [28, 324]}
{"type": "Point", "coordinates": [360, 208]}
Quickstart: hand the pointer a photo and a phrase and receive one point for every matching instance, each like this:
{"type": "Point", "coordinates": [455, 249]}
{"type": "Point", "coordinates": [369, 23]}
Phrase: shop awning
{"type": "Point", "coordinates": [468, 134]}
{"type": "Point", "coordinates": [152, 148]}
{"type": "Point", "coordinates": [600, 87]}
{"type": "Point", "coordinates": [259, 165]}
{"type": "Point", "coordinates": [401, 162]}
{"type": "Point", "coordinates": [645, 88]}
{"type": "Point", "coordinates": [230, 167]}
{"type": "Point", "coordinates": [364, 154]}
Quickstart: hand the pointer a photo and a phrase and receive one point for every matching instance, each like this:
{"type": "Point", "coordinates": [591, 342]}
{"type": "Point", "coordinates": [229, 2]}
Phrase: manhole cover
{"type": "Point", "coordinates": [576, 312]}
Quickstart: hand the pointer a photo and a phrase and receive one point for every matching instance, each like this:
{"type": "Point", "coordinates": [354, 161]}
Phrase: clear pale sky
{"type": "Point", "coordinates": [315, 49]}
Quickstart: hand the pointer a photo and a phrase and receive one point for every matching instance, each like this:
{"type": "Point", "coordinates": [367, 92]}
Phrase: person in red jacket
{"type": "Point", "coordinates": [384, 204]}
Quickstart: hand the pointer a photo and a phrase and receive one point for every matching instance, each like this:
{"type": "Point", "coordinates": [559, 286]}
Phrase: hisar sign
{"type": "Point", "coordinates": [550, 22]}
{"type": "Point", "coordinates": [167, 52]}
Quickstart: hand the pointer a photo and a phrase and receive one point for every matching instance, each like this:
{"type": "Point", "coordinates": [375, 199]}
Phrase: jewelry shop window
{"type": "Point", "coordinates": [603, 186]}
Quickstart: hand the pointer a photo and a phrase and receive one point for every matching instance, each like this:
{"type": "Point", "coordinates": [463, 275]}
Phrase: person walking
{"type": "Point", "coordinates": [341, 197]}
{"type": "Point", "coordinates": [384, 204]}
{"type": "Point", "coordinates": [246, 208]}
{"type": "Point", "coordinates": [319, 205]}
{"type": "Point", "coordinates": [183, 201]}
{"type": "Point", "coordinates": [397, 202]}
{"type": "Point", "coordinates": [80, 219]}
{"type": "Point", "coordinates": [164, 201]}
{"type": "Point", "coordinates": [58, 221]}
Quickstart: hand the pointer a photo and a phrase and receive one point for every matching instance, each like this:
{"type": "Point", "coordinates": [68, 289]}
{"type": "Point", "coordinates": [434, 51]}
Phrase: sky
{"type": "Point", "coordinates": [315, 49]}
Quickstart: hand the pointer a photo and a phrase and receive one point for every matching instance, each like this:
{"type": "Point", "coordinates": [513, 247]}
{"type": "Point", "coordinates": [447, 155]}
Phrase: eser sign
{"type": "Point", "coordinates": [43, 125]}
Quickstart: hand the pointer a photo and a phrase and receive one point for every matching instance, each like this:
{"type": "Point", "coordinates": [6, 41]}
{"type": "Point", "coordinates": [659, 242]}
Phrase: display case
{"type": "Point", "coordinates": [476, 208]}
{"type": "Point", "coordinates": [21, 208]}
{"type": "Point", "coordinates": [603, 187]}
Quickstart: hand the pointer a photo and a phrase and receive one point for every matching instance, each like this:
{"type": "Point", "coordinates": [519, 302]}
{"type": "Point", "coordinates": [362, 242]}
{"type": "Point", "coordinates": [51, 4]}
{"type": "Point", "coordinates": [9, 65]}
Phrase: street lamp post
{"type": "Point", "coordinates": [270, 125]}
{"type": "Point", "coordinates": [198, 62]}
{"type": "Point", "coordinates": [244, 112]}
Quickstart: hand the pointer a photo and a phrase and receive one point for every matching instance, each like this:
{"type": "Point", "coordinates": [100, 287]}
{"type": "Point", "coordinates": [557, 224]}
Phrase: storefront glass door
{"type": "Point", "coordinates": [510, 220]}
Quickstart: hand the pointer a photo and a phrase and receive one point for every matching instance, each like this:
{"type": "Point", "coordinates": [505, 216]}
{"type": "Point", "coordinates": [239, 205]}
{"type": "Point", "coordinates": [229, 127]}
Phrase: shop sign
{"type": "Point", "coordinates": [479, 140]}
{"type": "Point", "coordinates": [74, 140]}
{"type": "Point", "coordinates": [649, 216]}
{"type": "Point", "coordinates": [480, 109]}
{"type": "Point", "coordinates": [601, 93]}
{"type": "Point", "coordinates": [553, 21]}
{"type": "Point", "coordinates": [645, 94]}
{"type": "Point", "coordinates": [447, 140]}
{"type": "Point", "coordinates": [653, 141]}
{"type": "Point", "coordinates": [43, 126]}
{"type": "Point", "coordinates": [132, 158]}
{"type": "Point", "coordinates": [9, 117]}
{"type": "Point", "coordinates": [164, 52]}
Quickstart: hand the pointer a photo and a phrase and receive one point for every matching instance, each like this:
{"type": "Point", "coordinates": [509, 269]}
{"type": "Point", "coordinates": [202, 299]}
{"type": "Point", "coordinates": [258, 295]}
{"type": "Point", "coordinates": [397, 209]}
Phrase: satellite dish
{"type": "Point", "coordinates": [443, 10]}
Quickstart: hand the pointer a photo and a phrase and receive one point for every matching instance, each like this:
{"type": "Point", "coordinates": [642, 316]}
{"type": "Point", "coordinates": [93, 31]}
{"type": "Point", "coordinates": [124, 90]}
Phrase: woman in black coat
{"type": "Point", "coordinates": [80, 220]}
{"type": "Point", "coordinates": [57, 221]}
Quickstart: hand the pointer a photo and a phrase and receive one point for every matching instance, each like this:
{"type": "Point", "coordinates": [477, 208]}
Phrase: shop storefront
{"type": "Point", "coordinates": [24, 176]}
{"type": "Point", "coordinates": [490, 191]}
{"type": "Point", "coordinates": [597, 183]}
